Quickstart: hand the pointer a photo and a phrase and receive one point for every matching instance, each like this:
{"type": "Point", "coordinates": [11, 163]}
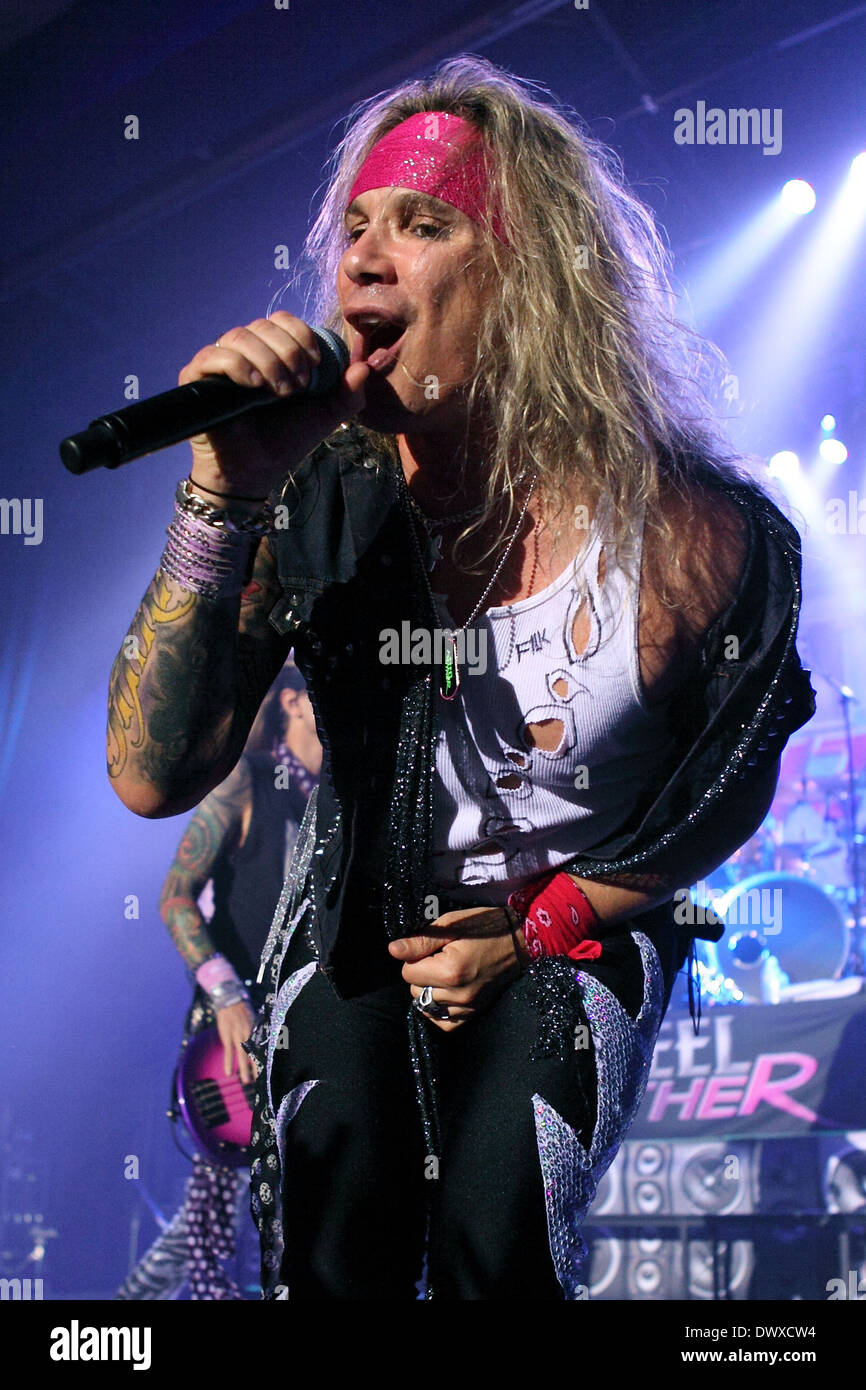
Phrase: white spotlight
{"type": "Point", "coordinates": [858, 169]}
{"type": "Point", "coordinates": [785, 465]}
{"type": "Point", "coordinates": [832, 451]}
{"type": "Point", "coordinates": [828, 424]}
{"type": "Point", "coordinates": [798, 196]}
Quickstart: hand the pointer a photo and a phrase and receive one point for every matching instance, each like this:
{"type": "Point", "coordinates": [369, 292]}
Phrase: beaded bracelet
{"type": "Point", "coordinates": [210, 551]}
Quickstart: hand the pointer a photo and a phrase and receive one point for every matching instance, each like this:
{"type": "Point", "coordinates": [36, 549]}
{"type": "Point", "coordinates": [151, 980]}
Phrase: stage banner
{"type": "Point", "coordinates": [758, 1071]}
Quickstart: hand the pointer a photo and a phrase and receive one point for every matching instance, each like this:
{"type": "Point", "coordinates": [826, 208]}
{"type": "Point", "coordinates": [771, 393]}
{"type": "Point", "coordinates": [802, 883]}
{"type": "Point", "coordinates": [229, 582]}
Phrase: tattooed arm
{"type": "Point", "coordinates": [217, 826]}
{"type": "Point", "coordinates": [192, 672]}
{"type": "Point", "coordinates": [185, 688]}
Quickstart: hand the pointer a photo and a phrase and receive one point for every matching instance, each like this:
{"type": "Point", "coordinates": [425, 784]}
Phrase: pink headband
{"type": "Point", "coordinates": [432, 152]}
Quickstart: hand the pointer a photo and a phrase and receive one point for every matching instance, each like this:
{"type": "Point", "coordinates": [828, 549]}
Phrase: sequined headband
{"type": "Point", "coordinates": [432, 152]}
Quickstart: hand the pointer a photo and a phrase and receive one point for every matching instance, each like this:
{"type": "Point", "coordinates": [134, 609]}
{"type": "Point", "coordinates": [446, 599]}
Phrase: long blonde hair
{"type": "Point", "coordinates": [582, 367]}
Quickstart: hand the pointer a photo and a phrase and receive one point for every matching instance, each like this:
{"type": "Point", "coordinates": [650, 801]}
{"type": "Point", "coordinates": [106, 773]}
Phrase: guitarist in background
{"type": "Point", "coordinates": [240, 839]}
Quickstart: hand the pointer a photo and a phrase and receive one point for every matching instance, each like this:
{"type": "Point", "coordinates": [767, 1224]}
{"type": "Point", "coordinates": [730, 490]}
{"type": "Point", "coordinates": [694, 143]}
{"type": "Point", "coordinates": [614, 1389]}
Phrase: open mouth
{"type": "Point", "coordinates": [378, 334]}
{"type": "Point", "coordinates": [384, 335]}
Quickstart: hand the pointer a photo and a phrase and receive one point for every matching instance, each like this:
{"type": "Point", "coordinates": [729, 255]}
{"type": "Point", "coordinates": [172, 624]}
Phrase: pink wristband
{"type": "Point", "coordinates": [558, 918]}
{"type": "Point", "coordinates": [215, 971]}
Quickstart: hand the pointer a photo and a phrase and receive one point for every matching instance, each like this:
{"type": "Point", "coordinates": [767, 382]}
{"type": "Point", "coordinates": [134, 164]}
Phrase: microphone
{"type": "Point", "coordinates": [146, 426]}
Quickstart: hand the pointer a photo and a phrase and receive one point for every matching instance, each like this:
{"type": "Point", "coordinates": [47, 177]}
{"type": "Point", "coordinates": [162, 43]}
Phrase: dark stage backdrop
{"type": "Point", "coordinates": [126, 244]}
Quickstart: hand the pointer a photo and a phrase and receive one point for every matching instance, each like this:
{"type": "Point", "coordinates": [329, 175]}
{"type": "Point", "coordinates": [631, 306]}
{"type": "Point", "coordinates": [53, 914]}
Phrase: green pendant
{"type": "Point", "coordinates": [450, 679]}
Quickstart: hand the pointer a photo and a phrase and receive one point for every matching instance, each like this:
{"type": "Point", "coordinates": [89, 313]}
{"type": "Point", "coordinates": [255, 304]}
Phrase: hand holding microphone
{"type": "Point", "coordinates": [227, 404]}
{"type": "Point", "coordinates": [279, 356]}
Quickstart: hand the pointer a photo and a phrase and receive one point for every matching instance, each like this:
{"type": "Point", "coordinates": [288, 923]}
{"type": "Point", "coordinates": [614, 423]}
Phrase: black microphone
{"type": "Point", "coordinates": [145, 426]}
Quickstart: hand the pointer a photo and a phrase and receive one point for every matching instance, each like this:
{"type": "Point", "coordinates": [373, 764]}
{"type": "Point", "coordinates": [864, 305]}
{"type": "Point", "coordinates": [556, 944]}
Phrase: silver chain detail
{"type": "Point", "coordinates": [496, 573]}
{"type": "Point", "coordinates": [223, 518]}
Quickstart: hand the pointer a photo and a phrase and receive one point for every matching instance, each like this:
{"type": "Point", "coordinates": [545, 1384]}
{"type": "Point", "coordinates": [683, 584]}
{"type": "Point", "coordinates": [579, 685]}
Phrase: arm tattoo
{"type": "Point", "coordinates": [163, 603]}
{"type": "Point", "coordinates": [260, 595]}
{"type": "Point", "coordinates": [188, 681]}
{"type": "Point", "coordinates": [262, 651]}
{"type": "Point", "coordinates": [213, 830]}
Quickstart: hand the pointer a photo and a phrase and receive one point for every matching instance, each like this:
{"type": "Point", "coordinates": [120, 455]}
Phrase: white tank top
{"type": "Point", "coordinates": [564, 661]}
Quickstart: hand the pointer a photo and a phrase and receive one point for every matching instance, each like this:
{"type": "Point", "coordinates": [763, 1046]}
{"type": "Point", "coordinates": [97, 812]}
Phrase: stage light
{"type": "Point", "coordinates": [828, 424]}
{"type": "Point", "coordinates": [832, 451]}
{"type": "Point", "coordinates": [858, 170]}
{"type": "Point", "coordinates": [813, 290]}
{"type": "Point", "coordinates": [716, 283]}
{"type": "Point", "coordinates": [798, 196]}
{"type": "Point", "coordinates": [785, 465]}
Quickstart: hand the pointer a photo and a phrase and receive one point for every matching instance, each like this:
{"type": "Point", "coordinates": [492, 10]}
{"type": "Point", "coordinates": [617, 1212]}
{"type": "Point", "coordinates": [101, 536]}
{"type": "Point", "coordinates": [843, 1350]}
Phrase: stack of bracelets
{"type": "Point", "coordinates": [220, 982]}
{"type": "Point", "coordinates": [211, 550]}
{"type": "Point", "coordinates": [557, 919]}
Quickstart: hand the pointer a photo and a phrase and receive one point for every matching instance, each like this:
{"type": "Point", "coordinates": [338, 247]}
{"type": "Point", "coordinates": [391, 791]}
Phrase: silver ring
{"type": "Point", "coordinates": [426, 1005]}
{"type": "Point", "coordinates": [217, 343]}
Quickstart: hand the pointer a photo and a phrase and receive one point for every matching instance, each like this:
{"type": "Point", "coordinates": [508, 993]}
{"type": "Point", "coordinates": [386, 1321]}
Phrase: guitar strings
{"type": "Point", "coordinates": [212, 1107]}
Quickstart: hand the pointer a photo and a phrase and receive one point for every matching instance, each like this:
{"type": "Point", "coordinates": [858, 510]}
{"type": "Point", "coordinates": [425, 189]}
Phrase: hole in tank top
{"type": "Point", "coordinates": [488, 847]}
{"type": "Point", "coordinates": [547, 734]}
{"type": "Point", "coordinates": [510, 781]}
{"type": "Point", "coordinates": [581, 627]}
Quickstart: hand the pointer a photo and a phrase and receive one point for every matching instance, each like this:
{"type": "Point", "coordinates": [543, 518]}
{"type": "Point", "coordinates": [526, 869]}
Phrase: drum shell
{"type": "Point", "coordinates": [783, 915]}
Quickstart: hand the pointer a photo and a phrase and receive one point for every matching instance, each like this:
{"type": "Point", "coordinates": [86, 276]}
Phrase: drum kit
{"type": "Point", "coordinates": [788, 901]}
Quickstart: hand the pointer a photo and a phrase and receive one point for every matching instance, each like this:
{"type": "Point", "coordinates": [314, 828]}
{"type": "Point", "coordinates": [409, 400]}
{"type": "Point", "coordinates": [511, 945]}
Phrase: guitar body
{"type": "Point", "coordinates": [216, 1109]}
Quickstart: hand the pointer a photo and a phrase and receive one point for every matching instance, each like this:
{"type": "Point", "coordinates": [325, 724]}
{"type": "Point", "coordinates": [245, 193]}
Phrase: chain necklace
{"type": "Point", "coordinates": [433, 523]}
{"type": "Point", "coordinates": [439, 523]}
{"type": "Point", "coordinates": [449, 681]}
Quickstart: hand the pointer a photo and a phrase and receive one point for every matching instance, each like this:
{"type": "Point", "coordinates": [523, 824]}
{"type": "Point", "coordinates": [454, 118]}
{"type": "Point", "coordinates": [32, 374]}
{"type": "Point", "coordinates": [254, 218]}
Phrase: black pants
{"type": "Point", "coordinates": [356, 1178]}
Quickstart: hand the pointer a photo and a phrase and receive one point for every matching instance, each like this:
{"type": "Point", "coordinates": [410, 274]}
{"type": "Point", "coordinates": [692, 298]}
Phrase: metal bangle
{"type": "Point", "coordinates": [222, 518]}
{"type": "Point", "coordinates": [228, 992]}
